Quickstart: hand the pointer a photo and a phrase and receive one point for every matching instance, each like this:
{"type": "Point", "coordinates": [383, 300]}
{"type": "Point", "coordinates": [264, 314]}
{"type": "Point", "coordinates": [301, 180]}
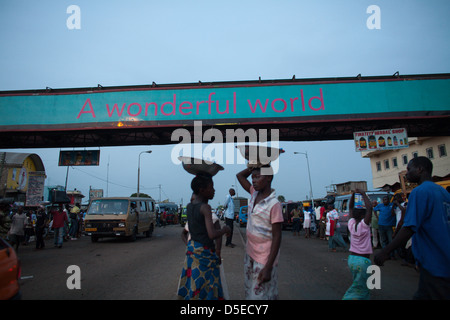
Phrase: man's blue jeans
{"type": "Point", "coordinates": [385, 236]}
{"type": "Point", "coordinates": [59, 233]}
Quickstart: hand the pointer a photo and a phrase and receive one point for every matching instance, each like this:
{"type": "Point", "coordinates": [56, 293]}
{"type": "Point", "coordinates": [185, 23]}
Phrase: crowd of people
{"type": "Point", "coordinates": [21, 226]}
{"type": "Point", "coordinates": [322, 222]}
{"type": "Point", "coordinates": [419, 226]}
{"type": "Point", "coordinates": [416, 229]}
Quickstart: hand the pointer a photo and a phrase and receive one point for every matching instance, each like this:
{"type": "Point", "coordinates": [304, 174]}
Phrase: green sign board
{"type": "Point", "coordinates": [233, 103]}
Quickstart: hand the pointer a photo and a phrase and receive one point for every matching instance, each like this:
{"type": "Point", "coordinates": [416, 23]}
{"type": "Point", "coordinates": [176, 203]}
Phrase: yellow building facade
{"type": "Point", "coordinates": [22, 174]}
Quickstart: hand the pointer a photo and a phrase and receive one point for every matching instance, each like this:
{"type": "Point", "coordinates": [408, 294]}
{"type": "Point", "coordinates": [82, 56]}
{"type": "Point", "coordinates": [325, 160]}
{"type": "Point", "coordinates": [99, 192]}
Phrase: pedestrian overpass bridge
{"type": "Point", "coordinates": [301, 110]}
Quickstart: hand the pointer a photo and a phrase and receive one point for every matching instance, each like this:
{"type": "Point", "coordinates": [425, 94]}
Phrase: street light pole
{"type": "Point", "coordinates": [139, 169]}
{"type": "Point", "coordinates": [309, 174]}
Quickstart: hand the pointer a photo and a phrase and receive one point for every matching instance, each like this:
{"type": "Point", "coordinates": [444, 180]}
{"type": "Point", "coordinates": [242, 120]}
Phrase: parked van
{"type": "Point", "coordinates": [341, 204]}
{"type": "Point", "coordinates": [120, 217]}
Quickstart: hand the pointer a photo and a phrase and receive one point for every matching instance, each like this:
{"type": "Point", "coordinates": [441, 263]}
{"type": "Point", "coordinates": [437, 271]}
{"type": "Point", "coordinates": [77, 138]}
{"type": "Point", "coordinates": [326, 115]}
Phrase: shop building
{"type": "Point", "coordinates": [389, 166]}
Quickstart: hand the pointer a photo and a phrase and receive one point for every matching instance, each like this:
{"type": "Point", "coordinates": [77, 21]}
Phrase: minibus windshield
{"type": "Point", "coordinates": [108, 206]}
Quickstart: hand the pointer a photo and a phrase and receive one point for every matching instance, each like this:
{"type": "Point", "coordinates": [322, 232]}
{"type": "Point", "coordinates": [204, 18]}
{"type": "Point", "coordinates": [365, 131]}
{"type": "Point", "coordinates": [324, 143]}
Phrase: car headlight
{"type": "Point", "coordinates": [121, 224]}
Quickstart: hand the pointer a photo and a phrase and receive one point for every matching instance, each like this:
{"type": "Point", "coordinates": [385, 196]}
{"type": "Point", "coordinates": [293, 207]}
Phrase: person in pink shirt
{"type": "Point", "coordinates": [263, 235]}
{"type": "Point", "coordinates": [360, 247]}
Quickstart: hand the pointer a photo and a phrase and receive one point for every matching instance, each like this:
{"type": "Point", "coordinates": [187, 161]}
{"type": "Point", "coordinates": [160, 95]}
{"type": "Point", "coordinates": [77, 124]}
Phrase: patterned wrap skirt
{"type": "Point", "coordinates": [200, 277]}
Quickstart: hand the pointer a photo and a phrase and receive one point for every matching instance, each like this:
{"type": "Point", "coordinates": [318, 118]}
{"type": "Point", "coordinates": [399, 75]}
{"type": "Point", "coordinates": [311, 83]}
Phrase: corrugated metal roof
{"type": "Point", "coordinates": [14, 159]}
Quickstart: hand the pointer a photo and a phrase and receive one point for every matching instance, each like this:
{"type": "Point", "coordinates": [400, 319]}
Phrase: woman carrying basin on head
{"type": "Point", "coordinates": [200, 277]}
{"type": "Point", "coordinates": [263, 234]}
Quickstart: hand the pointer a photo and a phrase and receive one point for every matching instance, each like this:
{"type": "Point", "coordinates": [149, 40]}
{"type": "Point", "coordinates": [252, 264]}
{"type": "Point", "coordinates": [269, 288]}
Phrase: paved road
{"type": "Point", "coordinates": [149, 268]}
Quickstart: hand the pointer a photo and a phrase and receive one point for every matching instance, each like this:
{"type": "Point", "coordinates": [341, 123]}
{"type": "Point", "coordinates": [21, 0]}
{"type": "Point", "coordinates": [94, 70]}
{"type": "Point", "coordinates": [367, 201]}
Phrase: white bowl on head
{"type": "Point", "coordinates": [259, 155]}
{"type": "Point", "coordinates": [195, 166]}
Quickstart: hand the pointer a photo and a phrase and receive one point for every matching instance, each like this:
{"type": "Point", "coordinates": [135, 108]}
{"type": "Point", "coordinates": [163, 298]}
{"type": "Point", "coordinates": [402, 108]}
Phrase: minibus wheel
{"type": "Point", "coordinates": [149, 232]}
{"type": "Point", "coordinates": [134, 234]}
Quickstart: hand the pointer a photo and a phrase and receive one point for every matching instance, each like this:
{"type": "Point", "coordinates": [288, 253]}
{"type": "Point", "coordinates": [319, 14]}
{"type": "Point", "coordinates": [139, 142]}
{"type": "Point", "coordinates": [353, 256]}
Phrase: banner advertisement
{"type": "Point", "coordinates": [35, 191]}
{"type": "Point", "coordinates": [95, 193]}
{"type": "Point", "coordinates": [79, 158]}
{"type": "Point", "coordinates": [386, 139]}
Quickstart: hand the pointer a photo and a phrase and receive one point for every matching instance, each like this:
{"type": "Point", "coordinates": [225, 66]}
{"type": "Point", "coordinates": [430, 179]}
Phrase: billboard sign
{"type": "Point", "coordinates": [95, 193]}
{"type": "Point", "coordinates": [386, 139]}
{"type": "Point", "coordinates": [79, 158]}
{"type": "Point", "coordinates": [35, 191]}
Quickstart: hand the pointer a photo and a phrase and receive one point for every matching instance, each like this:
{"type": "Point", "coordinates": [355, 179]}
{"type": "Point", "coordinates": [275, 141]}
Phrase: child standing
{"type": "Point", "coordinates": [360, 247]}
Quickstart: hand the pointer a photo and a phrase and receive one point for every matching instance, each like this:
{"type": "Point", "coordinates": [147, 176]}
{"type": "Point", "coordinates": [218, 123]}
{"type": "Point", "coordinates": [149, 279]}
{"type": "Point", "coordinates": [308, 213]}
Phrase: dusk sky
{"type": "Point", "coordinates": [122, 43]}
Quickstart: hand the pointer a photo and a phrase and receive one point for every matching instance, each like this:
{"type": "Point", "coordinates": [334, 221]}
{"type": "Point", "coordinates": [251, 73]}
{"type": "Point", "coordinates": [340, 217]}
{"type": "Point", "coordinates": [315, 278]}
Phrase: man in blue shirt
{"type": "Point", "coordinates": [229, 216]}
{"type": "Point", "coordinates": [427, 220]}
{"type": "Point", "coordinates": [386, 220]}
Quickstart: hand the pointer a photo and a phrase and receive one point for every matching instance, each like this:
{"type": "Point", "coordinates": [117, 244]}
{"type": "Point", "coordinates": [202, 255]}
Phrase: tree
{"type": "Point", "coordinates": [142, 195]}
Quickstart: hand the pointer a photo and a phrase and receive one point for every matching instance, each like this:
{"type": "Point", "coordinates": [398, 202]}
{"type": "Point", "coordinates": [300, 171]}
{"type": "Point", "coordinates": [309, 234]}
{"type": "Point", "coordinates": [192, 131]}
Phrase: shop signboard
{"type": "Point", "coordinates": [385, 139]}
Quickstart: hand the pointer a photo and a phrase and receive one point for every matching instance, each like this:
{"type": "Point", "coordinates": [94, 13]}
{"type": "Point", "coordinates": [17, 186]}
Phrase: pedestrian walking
{"type": "Point", "coordinates": [307, 222]}
{"type": "Point", "coordinates": [264, 223]}
{"type": "Point", "coordinates": [41, 223]}
{"type": "Point", "coordinates": [29, 228]}
{"type": "Point", "coordinates": [17, 231]}
{"type": "Point", "coordinates": [80, 223]}
{"type": "Point", "coordinates": [338, 240]}
{"type": "Point", "coordinates": [398, 210]}
{"type": "Point", "coordinates": [427, 222]}
{"type": "Point", "coordinates": [59, 221]}
{"type": "Point", "coordinates": [360, 248]}
{"type": "Point", "coordinates": [322, 222]}
{"type": "Point", "coordinates": [333, 232]}
{"type": "Point", "coordinates": [229, 216]}
{"type": "Point", "coordinates": [200, 276]}
{"type": "Point", "coordinates": [66, 211]}
{"type": "Point", "coordinates": [374, 225]}
{"type": "Point", "coordinates": [386, 221]}
{"type": "Point", "coordinates": [164, 218]}
{"type": "Point", "coordinates": [158, 217]}
{"type": "Point", "coordinates": [74, 221]}
{"type": "Point", "coordinates": [295, 213]}
{"type": "Point", "coordinates": [331, 220]}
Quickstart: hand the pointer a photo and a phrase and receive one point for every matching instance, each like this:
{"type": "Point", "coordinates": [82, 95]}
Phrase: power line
{"type": "Point", "coordinates": [113, 183]}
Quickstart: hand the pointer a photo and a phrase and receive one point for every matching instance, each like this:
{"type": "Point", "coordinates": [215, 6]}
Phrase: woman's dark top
{"type": "Point", "coordinates": [197, 226]}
